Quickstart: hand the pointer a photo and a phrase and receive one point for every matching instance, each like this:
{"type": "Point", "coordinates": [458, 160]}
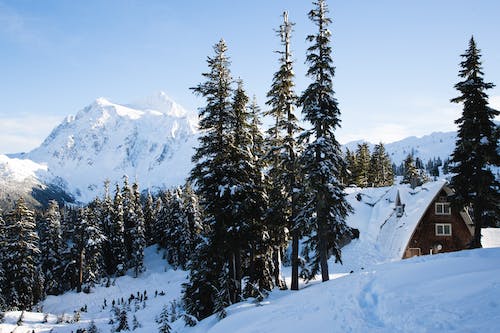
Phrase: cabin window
{"type": "Point", "coordinates": [443, 229]}
{"type": "Point", "coordinates": [443, 208]}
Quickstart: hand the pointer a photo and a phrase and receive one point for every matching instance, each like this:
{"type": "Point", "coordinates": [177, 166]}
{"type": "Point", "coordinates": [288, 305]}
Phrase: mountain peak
{"type": "Point", "coordinates": [161, 102]}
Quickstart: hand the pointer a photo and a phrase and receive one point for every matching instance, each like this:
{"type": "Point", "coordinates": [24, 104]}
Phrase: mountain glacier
{"type": "Point", "coordinates": [150, 141]}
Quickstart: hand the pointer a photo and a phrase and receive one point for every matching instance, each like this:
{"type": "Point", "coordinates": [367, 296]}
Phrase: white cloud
{"type": "Point", "coordinates": [24, 133]}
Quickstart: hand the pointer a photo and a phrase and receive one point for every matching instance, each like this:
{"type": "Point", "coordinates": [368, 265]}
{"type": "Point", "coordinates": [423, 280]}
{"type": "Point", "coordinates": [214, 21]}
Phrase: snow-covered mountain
{"type": "Point", "coordinates": [437, 144]}
{"type": "Point", "coordinates": [150, 140]}
{"type": "Point", "coordinates": [30, 180]}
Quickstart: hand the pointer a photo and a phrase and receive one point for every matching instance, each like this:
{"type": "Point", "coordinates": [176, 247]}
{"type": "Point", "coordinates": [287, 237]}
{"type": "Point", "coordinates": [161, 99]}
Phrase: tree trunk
{"type": "Point", "coordinates": [295, 261]}
{"type": "Point", "coordinates": [278, 280]}
{"type": "Point", "coordinates": [478, 224]}
{"type": "Point", "coordinates": [322, 238]}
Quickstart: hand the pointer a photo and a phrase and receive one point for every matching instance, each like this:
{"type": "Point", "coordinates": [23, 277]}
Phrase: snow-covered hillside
{"type": "Point", "coordinates": [373, 291]}
{"type": "Point", "coordinates": [27, 179]}
{"type": "Point", "coordinates": [438, 144]}
{"type": "Point", "coordinates": [151, 141]}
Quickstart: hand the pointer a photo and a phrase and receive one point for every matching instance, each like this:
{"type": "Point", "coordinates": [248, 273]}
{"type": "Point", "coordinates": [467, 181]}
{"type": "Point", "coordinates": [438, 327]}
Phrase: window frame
{"type": "Point", "coordinates": [443, 227]}
{"type": "Point", "coordinates": [443, 210]}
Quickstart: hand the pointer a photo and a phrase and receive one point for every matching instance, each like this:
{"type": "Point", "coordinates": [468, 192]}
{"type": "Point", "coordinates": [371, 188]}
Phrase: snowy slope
{"type": "Point", "coordinates": [27, 179]}
{"type": "Point", "coordinates": [151, 141]}
{"type": "Point", "coordinates": [437, 144]}
{"type": "Point", "coordinates": [457, 292]}
{"type": "Point", "coordinates": [451, 292]}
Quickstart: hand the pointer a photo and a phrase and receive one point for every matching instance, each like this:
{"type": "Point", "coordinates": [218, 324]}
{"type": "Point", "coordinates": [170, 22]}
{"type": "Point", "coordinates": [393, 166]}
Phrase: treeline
{"type": "Point", "coordinates": [369, 169]}
{"type": "Point", "coordinates": [66, 248]}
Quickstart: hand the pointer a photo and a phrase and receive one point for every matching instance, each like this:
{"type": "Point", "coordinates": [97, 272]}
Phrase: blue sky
{"type": "Point", "coordinates": [397, 61]}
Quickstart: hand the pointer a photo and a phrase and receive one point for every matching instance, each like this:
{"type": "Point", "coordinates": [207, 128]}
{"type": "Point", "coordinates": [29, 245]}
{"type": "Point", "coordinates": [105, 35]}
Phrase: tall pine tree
{"type": "Point", "coordinates": [283, 157]}
{"type": "Point", "coordinates": [210, 179]}
{"type": "Point", "coordinates": [326, 208]}
{"type": "Point", "coordinates": [476, 150]}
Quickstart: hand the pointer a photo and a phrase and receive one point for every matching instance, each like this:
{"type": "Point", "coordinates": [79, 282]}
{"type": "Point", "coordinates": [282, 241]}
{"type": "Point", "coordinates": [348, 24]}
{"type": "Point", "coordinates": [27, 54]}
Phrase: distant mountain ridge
{"type": "Point", "coordinates": [437, 144]}
{"type": "Point", "coordinates": [151, 140]}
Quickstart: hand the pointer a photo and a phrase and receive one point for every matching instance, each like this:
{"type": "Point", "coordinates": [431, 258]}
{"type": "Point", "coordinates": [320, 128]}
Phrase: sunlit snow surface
{"type": "Point", "coordinates": [454, 292]}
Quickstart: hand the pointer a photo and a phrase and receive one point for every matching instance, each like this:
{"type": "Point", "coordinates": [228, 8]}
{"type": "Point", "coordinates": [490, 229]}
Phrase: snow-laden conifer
{"type": "Point", "coordinates": [326, 207]}
{"type": "Point", "coordinates": [476, 150]}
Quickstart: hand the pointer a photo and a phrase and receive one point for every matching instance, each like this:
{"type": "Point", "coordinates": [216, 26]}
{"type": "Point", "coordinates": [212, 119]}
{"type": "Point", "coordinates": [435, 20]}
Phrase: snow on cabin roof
{"type": "Point", "coordinates": [382, 234]}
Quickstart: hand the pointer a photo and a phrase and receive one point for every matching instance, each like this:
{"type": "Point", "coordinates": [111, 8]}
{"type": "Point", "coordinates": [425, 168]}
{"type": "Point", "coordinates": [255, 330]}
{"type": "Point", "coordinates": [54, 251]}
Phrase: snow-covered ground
{"type": "Point", "coordinates": [453, 292]}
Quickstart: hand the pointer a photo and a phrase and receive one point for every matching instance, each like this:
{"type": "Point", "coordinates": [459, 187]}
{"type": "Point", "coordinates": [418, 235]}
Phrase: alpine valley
{"type": "Point", "coordinates": [151, 141]}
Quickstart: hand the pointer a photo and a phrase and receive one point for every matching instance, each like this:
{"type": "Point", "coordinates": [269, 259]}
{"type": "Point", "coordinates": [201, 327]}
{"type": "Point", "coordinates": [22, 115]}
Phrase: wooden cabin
{"type": "Point", "coordinates": [440, 228]}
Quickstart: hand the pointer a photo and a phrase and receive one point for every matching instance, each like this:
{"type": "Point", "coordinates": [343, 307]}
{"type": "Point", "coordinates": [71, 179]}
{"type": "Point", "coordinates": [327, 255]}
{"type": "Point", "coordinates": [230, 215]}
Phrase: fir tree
{"type": "Point", "coordinates": [282, 157]}
{"type": "Point", "coordinates": [380, 170]}
{"type": "Point", "coordinates": [410, 171]}
{"type": "Point", "coordinates": [326, 207]}
{"type": "Point", "coordinates": [476, 150]}
{"type": "Point", "coordinates": [51, 245]}
{"type": "Point", "coordinates": [163, 321]}
{"type": "Point", "coordinates": [250, 240]}
{"type": "Point", "coordinates": [213, 186]}
{"type": "Point", "coordinates": [129, 216]}
{"type": "Point", "coordinates": [149, 219]}
{"type": "Point", "coordinates": [137, 232]}
{"type": "Point", "coordinates": [23, 278]}
{"type": "Point", "coordinates": [108, 229]}
{"type": "Point", "coordinates": [118, 234]}
{"type": "Point", "coordinates": [93, 242]}
{"type": "Point", "coordinates": [350, 175]}
{"type": "Point", "coordinates": [362, 165]}
{"type": "Point", "coordinates": [122, 322]}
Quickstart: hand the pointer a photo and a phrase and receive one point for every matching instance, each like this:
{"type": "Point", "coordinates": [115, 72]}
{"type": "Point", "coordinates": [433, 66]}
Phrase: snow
{"type": "Point", "coordinates": [373, 291]}
{"type": "Point", "coordinates": [490, 237]}
{"type": "Point", "coordinates": [159, 277]}
{"type": "Point", "coordinates": [437, 144]}
{"type": "Point", "coordinates": [19, 170]}
{"type": "Point", "coordinates": [150, 141]}
{"type": "Point", "coordinates": [451, 292]}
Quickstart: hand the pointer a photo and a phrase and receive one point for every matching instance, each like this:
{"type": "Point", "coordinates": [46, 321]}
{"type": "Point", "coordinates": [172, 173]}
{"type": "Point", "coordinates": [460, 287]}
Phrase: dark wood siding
{"type": "Point", "coordinates": [425, 238]}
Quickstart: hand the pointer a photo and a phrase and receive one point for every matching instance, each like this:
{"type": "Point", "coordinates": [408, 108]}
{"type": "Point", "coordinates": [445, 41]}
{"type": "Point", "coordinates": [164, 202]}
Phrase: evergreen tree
{"type": "Point", "coordinates": [260, 248]}
{"type": "Point", "coordinates": [122, 321]}
{"type": "Point", "coordinates": [410, 175]}
{"type": "Point", "coordinates": [211, 177]}
{"type": "Point", "coordinates": [476, 150]}
{"type": "Point", "coordinates": [70, 271]}
{"type": "Point", "coordinates": [163, 322]}
{"type": "Point", "coordinates": [137, 232]}
{"type": "Point", "coordinates": [93, 242]}
{"type": "Point", "coordinates": [51, 245]}
{"type": "Point", "coordinates": [282, 157]}
{"type": "Point", "coordinates": [326, 207]}
{"type": "Point", "coordinates": [107, 229]}
{"type": "Point", "coordinates": [177, 231]}
{"type": "Point", "coordinates": [149, 219]}
{"type": "Point", "coordinates": [193, 213]}
{"type": "Point", "coordinates": [117, 235]}
{"type": "Point", "coordinates": [248, 233]}
{"type": "Point", "coordinates": [380, 170]}
{"type": "Point", "coordinates": [362, 165]}
{"type": "Point", "coordinates": [129, 216]}
{"type": "Point", "coordinates": [23, 278]}
{"type": "Point", "coordinates": [350, 175]}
